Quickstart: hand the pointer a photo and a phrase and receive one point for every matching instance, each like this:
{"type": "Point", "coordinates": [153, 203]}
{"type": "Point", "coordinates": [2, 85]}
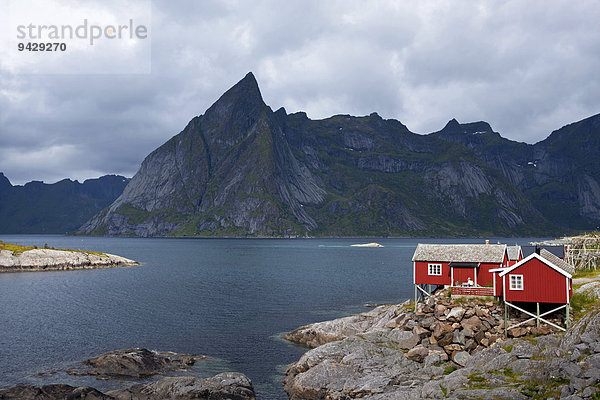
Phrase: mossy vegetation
{"type": "Point", "coordinates": [19, 249]}
{"type": "Point", "coordinates": [449, 369]}
{"type": "Point", "coordinates": [583, 302]}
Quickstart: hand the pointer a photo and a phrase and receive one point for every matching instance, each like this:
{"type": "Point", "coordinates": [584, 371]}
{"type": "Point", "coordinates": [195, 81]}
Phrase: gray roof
{"type": "Point", "coordinates": [475, 253]}
{"type": "Point", "coordinates": [513, 252]}
{"type": "Point", "coordinates": [558, 251]}
{"type": "Point", "coordinates": [557, 261]}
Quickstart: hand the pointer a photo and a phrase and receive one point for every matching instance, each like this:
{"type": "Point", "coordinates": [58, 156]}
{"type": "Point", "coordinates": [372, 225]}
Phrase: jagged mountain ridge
{"type": "Point", "coordinates": [61, 207]}
{"type": "Point", "coordinates": [559, 175]}
{"type": "Point", "coordinates": [241, 169]}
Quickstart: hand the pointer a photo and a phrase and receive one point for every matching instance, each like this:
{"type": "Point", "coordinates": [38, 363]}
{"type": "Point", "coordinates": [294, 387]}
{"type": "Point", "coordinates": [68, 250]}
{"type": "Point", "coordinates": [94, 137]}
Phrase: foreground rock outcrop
{"type": "Point", "coordinates": [228, 385]}
{"type": "Point", "coordinates": [388, 353]}
{"type": "Point", "coordinates": [137, 363]}
{"type": "Point", "coordinates": [142, 363]}
{"type": "Point", "coordinates": [51, 260]}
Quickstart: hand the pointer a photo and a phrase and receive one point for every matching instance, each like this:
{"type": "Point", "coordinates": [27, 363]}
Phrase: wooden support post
{"type": "Point", "coordinates": [537, 319]}
{"type": "Point", "coordinates": [505, 319]}
{"type": "Point", "coordinates": [416, 297]}
{"type": "Point", "coordinates": [567, 317]}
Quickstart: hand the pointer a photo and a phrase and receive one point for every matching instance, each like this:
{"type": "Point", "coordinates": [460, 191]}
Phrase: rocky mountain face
{"type": "Point", "coordinates": [242, 169]}
{"type": "Point", "coordinates": [559, 175]}
{"type": "Point", "coordinates": [61, 207]}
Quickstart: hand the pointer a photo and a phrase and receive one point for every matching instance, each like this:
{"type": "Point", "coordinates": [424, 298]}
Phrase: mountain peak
{"type": "Point", "coordinates": [4, 182]}
{"type": "Point", "coordinates": [247, 87]}
{"type": "Point", "coordinates": [243, 98]}
{"type": "Point", "coordinates": [453, 126]}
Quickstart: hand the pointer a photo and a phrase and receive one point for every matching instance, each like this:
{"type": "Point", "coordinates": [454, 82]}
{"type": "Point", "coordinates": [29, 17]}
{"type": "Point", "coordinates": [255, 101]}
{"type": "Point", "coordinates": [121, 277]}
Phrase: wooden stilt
{"type": "Point", "coordinates": [416, 297]}
{"type": "Point", "coordinates": [537, 318]}
{"type": "Point", "coordinates": [505, 319]}
{"type": "Point", "coordinates": [567, 316]}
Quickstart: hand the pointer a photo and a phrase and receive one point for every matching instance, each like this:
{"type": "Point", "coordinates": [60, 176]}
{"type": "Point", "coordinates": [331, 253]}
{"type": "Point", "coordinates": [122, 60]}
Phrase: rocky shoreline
{"type": "Point", "coordinates": [141, 363]}
{"type": "Point", "coordinates": [444, 350]}
{"type": "Point", "coordinates": [54, 260]}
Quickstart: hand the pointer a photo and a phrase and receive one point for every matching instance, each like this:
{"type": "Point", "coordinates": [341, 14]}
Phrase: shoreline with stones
{"type": "Point", "coordinates": [449, 348]}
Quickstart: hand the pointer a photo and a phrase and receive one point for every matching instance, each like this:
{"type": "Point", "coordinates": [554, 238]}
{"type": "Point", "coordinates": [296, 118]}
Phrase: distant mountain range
{"type": "Point", "coordinates": [243, 170]}
{"type": "Point", "coordinates": [61, 207]}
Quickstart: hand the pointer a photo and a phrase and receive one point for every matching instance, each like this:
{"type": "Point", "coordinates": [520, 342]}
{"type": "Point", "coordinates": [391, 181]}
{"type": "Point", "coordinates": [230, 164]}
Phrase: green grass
{"type": "Point", "coordinates": [583, 302]}
{"type": "Point", "coordinates": [477, 381]}
{"type": "Point", "coordinates": [444, 391]}
{"type": "Point", "coordinates": [449, 369]}
{"type": "Point", "coordinates": [19, 249]}
{"type": "Point", "coordinates": [508, 372]}
{"type": "Point", "coordinates": [586, 273]}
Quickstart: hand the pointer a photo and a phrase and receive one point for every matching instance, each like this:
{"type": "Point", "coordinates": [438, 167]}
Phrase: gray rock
{"type": "Point", "coordinates": [52, 392]}
{"type": "Point", "coordinates": [137, 363]}
{"type": "Point", "coordinates": [319, 333]}
{"type": "Point", "coordinates": [468, 332]}
{"type": "Point", "coordinates": [591, 288]}
{"type": "Point", "coordinates": [473, 323]}
{"type": "Point", "coordinates": [409, 343]}
{"type": "Point", "coordinates": [228, 385]}
{"type": "Point", "coordinates": [456, 314]}
{"type": "Point", "coordinates": [418, 353]}
{"type": "Point", "coordinates": [420, 331]}
{"type": "Point", "coordinates": [458, 337]}
{"type": "Point", "coordinates": [461, 358]}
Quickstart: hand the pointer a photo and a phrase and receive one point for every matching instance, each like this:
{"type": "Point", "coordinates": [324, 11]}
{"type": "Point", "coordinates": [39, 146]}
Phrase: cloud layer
{"type": "Point", "coordinates": [525, 67]}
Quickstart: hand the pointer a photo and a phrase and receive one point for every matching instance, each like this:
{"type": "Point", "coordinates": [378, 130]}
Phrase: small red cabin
{"type": "Point", "coordinates": [539, 278]}
{"type": "Point", "coordinates": [457, 264]}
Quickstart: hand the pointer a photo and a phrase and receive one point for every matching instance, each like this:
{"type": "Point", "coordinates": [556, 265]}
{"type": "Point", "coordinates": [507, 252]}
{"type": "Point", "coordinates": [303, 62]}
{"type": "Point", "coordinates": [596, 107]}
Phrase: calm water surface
{"type": "Point", "coordinates": [227, 298]}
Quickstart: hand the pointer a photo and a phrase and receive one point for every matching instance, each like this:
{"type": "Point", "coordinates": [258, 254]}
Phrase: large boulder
{"type": "Point", "coordinates": [384, 317]}
{"type": "Point", "coordinates": [136, 363]}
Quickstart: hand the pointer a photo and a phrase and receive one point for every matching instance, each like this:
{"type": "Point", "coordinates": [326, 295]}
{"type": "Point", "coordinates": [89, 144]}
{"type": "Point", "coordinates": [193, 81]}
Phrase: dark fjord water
{"type": "Point", "coordinates": [226, 298]}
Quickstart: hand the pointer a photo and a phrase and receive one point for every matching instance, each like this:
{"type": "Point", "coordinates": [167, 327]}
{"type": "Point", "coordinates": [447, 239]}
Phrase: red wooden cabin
{"type": "Point", "coordinates": [458, 265]}
{"type": "Point", "coordinates": [539, 278]}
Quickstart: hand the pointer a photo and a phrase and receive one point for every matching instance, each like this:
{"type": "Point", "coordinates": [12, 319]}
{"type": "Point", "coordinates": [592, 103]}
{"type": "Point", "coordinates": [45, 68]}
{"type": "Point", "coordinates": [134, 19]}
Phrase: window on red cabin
{"type": "Point", "coordinates": [435, 269]}
{"type": "Point", "coordinates": [516, 282]}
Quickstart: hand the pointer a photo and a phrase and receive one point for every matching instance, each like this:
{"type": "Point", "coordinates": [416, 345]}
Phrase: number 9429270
{"type": "Point", "coordinates": [34, 46]}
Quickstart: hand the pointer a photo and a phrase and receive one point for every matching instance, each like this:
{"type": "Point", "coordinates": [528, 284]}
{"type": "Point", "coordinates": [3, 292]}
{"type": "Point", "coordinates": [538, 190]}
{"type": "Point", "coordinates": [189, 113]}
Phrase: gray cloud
{"type": "Point", "coordinates": [526, 67]}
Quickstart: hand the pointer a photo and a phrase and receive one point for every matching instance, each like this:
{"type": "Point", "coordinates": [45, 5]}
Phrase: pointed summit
{"type": "Point", "coordinates": [452, 126]}
{"type": "Point", "coordinates": [246, 90]}
{"type": "Point", "coordinates": [4, 182]}
{"type": "Point", "coordinates": [242, 104]}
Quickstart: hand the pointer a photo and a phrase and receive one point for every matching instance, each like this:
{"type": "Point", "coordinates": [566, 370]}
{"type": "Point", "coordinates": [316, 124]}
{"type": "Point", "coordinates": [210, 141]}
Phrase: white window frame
{"type": "Point", "coordinates": [514, 282]}
{"type": "Point", "coordinates": [434, 269]}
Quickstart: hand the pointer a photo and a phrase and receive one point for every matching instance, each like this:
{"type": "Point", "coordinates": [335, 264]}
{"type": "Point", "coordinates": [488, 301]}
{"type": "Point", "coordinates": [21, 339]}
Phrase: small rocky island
{"type": "Point", "coordinates": [136, 363]}
{"type": "Point", "coordinates": [17, 258]}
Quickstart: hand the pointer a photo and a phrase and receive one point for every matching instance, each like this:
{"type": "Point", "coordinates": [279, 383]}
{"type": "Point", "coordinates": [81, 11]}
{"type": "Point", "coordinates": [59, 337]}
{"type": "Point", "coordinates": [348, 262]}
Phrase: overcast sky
{"type": "Point", "coordinates": [526, 67]}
